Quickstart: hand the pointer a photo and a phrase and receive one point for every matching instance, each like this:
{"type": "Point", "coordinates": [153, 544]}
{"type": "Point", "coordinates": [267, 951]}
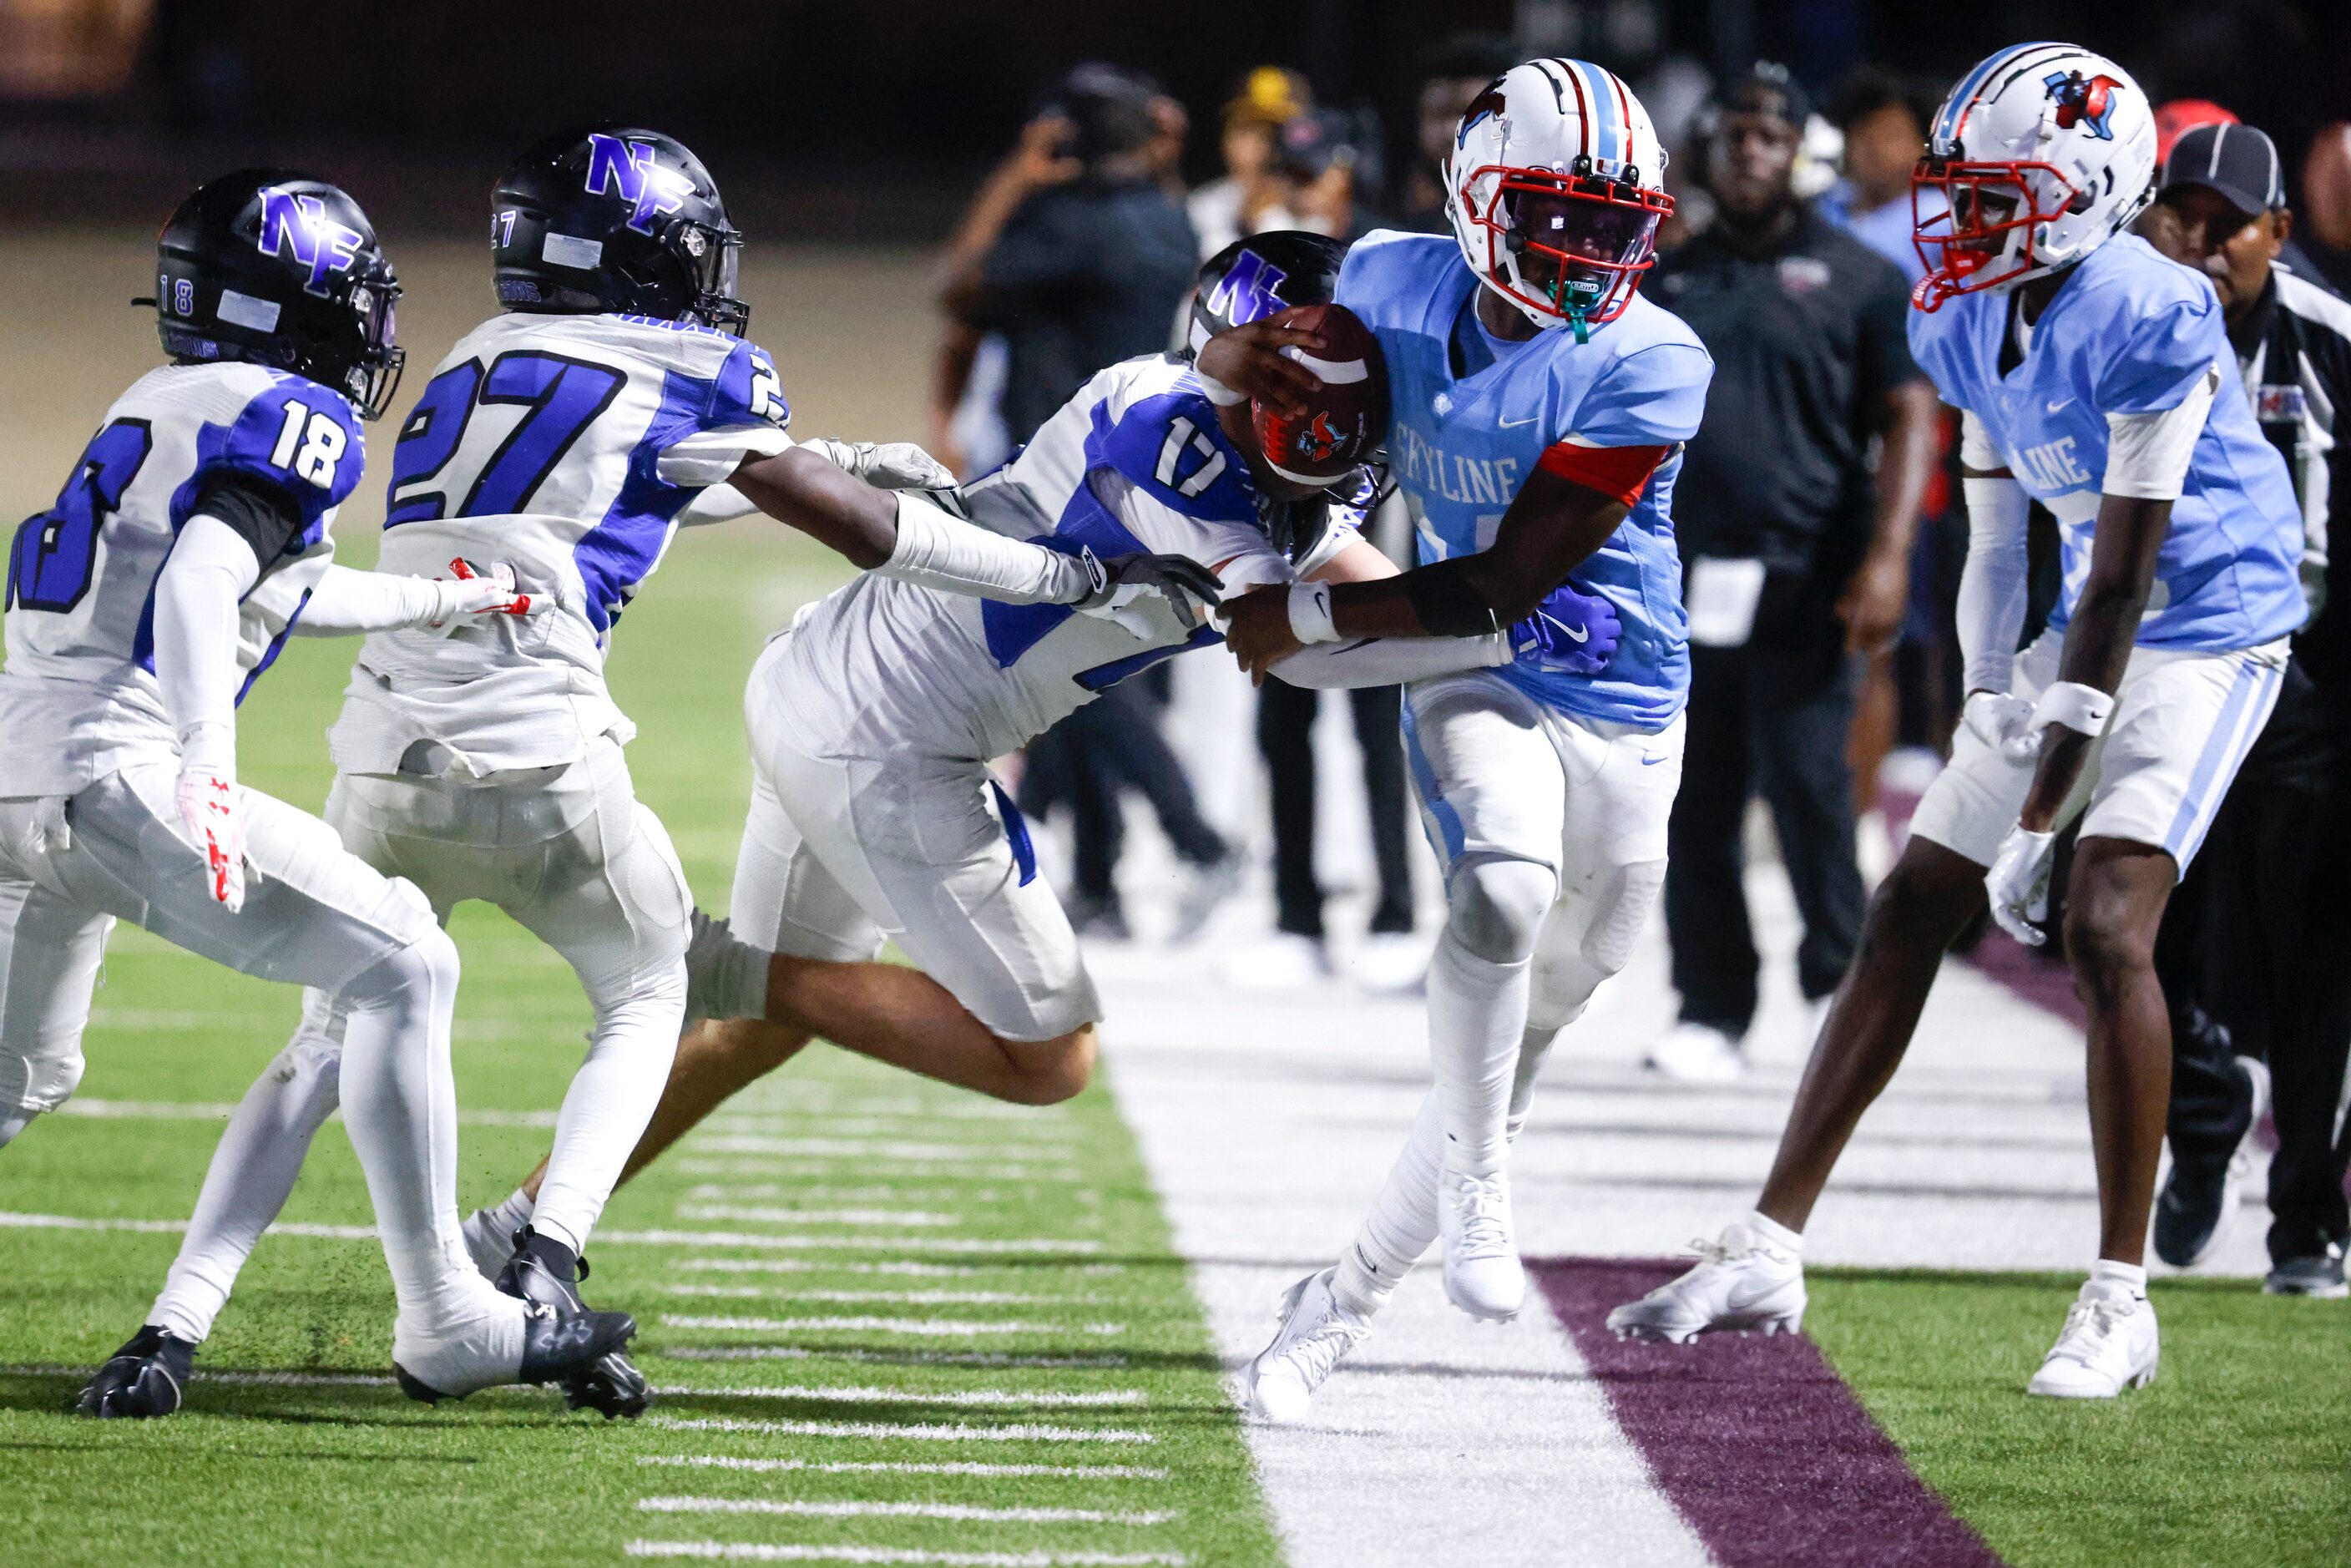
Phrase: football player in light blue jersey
{"type": "Point", "coordinates": [2095, 378]}
{"type": "Point", "coordinates": [1539, 408]}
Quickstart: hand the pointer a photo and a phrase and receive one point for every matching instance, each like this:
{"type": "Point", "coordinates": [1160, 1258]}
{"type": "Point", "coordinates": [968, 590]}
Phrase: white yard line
{"type": "Point", "coordinates": [908, 1217]}
{"type": "Point", "coordinates": [967, 1396]}
{"type": "Point", "coordinates": [960, 1511]}
{"type": "Point", "coordinates": [889, 1357]}
{"type": "Point", "coordinates": [754, 1552]}
{"type": "Point", "coordinates": [918, 1298]}
{"type": "Point", "coordinates": [944, 1328]}
{"type": "Point", "coordinates": [220, 1111]}
{"type": "Point", "coordinates": [757, 1165]}
{"type": "Point", "coordinates": [786, 1243]}
{"type": "Point", "coordinates": [914, 1432]}
{"type": "Point", "coordinates": [981, 1154]}
{"type": "Point", "coordinates": [807, 1266]}
{"type": "Point", "coordinates": [903, 1468]}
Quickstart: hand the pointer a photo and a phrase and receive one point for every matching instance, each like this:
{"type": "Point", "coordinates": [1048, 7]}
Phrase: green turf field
{"type": "Point", "coordinates": [989, 1318]}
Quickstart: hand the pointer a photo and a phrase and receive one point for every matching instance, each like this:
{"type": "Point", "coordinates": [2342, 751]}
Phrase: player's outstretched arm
{"type": "Point", "coordinates": [1553, 525]}
{"type": "Point", "coordinates": [211, 566]}
{"type": "Point", "coordinates": [348, 602]}
{"type": "Point", "coordinates": [899, 534]}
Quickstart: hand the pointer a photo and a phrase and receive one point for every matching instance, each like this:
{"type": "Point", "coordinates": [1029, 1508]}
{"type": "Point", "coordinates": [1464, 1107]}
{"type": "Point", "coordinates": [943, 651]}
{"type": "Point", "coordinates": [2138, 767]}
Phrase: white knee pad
{"type": "Point", "coordinates": [426, 965]}
{"type": "Point", "coordinates": [1591, 937]}
{"type": "Point", "coordinates": [1495, 906]}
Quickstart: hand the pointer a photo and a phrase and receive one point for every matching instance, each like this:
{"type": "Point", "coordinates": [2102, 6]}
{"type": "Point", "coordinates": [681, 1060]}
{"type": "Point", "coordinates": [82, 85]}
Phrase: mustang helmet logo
{"type": "Point", "coordinates": [2083, 101]}
{"type": "Point", "coordinates": [1320, 439]}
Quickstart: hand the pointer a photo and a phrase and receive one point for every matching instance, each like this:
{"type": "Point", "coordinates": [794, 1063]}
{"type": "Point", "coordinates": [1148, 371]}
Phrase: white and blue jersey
{"type": "Point", "coordinates": [1134, 463]}
{"type": "Point", "coordinates": [1473, 417]}
{"type": "Point", "coordinates": [569, 447]}
{"type": "Point", "coordinates": [79, 686]}
{"type": "Point", "coordinates": [2132, 333]}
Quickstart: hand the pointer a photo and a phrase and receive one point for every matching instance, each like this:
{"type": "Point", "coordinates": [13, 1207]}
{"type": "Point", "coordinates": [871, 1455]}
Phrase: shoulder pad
{"type": "Point", "coordinates": [1169, 443]}
{"type": "Point", "coordinates": [300, 436]}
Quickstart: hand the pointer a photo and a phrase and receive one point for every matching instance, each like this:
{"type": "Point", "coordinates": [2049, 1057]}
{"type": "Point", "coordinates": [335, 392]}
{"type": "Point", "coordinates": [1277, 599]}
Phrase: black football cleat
{"type": "Point", "coordinates": [142, 1380]}
{"type": "Point", "coordinates": [546, 1271]}
{"type": "Point", "coordinates": [557, 1346]}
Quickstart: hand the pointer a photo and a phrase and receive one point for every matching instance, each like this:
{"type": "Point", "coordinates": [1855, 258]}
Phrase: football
{"type": "Point", "coordinates": [1347, 419]}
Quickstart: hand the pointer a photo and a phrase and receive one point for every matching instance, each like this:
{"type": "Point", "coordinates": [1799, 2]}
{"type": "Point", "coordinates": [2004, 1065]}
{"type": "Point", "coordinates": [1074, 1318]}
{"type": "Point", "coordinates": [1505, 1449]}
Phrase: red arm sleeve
{"type": "Point", "coordinates": [1619, 472]}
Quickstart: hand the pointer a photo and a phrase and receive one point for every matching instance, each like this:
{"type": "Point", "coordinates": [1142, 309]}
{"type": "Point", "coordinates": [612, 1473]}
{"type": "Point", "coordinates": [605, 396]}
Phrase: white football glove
{"type": "Point", "coordinates": [2003, 722]}
{"type": "Point", "coordinates": [473, 594]}
{"type": "Point", "coordinates": [886, 465]}
{"type": "Point", "coordinates": [209, 809]}
{"type": "Point", "coordinates": [2017, 884]}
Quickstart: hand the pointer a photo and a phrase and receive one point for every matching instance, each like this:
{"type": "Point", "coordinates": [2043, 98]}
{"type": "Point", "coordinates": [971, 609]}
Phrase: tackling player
{"type": "Point", "coordinates": [1540, 404]}
{"type": "Point", "coordinates": [190, 542]}
{"type": "Point", "coordinates": [571, 436]}
{"type": "Point", "coordinates": [873, 717]}
{"type": "Point", "coordinates": [2095, 378]}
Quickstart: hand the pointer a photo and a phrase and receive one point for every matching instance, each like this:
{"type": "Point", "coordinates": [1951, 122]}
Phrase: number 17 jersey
{"type": "Point", "coordinates": [569, 447]}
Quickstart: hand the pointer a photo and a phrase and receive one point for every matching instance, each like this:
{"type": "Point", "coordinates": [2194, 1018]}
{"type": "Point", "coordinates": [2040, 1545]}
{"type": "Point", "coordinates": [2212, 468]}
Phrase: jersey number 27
{"type": "Point", "coordinates": [560, 397]}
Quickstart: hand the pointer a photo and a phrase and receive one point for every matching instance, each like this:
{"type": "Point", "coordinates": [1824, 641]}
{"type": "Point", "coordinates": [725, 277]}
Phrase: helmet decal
{"type": "Point", "coordinates": [1486, 105]}
{"type": "Point", "coordinates": [1249, 292]}
{"type": "Point", "coordinates": [627, 169]}
{"type": "Point", "coordinates": [2085, 101]}
{"type": "Point", "coordinates": [297, 227]}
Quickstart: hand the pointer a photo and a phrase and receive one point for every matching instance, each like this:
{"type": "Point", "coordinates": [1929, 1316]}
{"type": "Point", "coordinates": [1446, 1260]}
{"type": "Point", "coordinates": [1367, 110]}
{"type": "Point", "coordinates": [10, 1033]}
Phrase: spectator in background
{"type": "Point", "coordinates": [1884, 119]}
{"type": "Point", "coordinates": [1796, 564]}
{"type": "Point", "coordinates": [1252, 196]}
{"type": "Point", "coordinates": [1077, 255]}
{"type": "Point", "coordinates": [1453, 73]}
{"type": "Point", "coordinates": [2255, 948]}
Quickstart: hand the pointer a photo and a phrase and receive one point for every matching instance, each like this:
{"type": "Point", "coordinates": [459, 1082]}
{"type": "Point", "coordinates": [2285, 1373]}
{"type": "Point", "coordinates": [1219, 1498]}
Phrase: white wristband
{"type": "Point", "coordinates": [1218, 393]}
{"type": "Point", "coordinates": [1309, 613]}
{"type": "Point", "coordinates": [2085, 709]}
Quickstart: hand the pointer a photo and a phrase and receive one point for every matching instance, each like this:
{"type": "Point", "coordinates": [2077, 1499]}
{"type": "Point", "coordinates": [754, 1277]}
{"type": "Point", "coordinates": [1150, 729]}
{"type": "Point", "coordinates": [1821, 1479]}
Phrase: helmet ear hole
{"type": "Point", "coordinates": [2082, 202]}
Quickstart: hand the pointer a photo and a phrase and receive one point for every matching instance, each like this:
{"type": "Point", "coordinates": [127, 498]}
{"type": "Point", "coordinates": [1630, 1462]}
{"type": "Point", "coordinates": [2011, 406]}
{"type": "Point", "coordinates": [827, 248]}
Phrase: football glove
{"type": "Point", "coordinates": [886, 465]}
{"type": "Point", "coordinates": [1570, 633]}
{"type": "Point", "coordinates": [209, 809]}
{"type": "Point", "coordinates": [1120, 583]}
{"type": "Point", "coordinates": [471, 593]}
{"type": "Point", "coordinates": [2002, 721]}
{"type": "Point", "coordinates": [2017, 884]}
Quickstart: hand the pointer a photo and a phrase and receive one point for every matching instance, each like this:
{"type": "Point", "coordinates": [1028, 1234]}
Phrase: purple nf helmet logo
{"type": "Point", "coordinates": [1246, 293]}
{"type": "Point", "coordinates": [627, 170]}
{"type": "Point", "coordinates": [297, 228]}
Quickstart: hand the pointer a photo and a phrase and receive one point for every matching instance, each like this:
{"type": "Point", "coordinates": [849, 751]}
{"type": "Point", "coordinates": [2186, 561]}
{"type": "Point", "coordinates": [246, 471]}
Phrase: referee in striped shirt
{"type": "Point", "coordinates": [2259, 938]}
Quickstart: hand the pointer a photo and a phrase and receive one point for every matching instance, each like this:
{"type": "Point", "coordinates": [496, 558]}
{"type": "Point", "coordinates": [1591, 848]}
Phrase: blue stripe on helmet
{"type": "Point", "coordinates": [1603, 111]}
{"type": "Point", "coordinates": [1947, 124]}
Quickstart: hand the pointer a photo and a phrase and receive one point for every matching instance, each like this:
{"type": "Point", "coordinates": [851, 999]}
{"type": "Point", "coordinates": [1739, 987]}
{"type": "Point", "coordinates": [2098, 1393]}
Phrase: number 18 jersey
{"type": "Point", "coordinates": [79, 689]}
{"type": "Point", "coordinates": [566, 446]}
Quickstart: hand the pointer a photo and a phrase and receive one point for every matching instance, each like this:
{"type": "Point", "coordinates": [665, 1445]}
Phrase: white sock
{"type": "Point", "coordinates": [506, 1217]}
{"type": "Point", "coordinates": [1477, 1017]}
{"type": "Point", "coordinates": [2132, 1277]}
{"type": "Point", "coordinates": [252, 1172]}
{"type": "Point", "coordinates": [1771, 1230]}
{"type": "Point", "coordinates": [605, 1111]}
{"type": "Point", "coordinates": [400, 1106]}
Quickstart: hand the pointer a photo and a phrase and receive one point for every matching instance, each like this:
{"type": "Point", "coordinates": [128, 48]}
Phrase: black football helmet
{"type": "Point", "coordinates": [608, 217]}
{"type": "Point", "coordinates": [1262, 275]}
{"type": "Point", "coordinates": [278, 268]}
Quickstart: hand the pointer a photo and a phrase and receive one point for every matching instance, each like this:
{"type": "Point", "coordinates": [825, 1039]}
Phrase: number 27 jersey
{"type": "Point", "coordinates": [79, 690]}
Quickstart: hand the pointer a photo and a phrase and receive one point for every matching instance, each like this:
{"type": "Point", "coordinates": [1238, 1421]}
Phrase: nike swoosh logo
{"type": "Point", "coordinates": [1514, 424]}
{"type": "Point", "coordinates": [2061, 403]}
{"type": "Point", "coordinates": [1649, 761]}
{"type": "Point", "coordinates": [1574, 635]}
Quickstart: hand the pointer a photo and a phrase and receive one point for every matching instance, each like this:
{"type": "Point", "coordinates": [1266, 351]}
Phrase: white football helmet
{"type": "Point", "coordinates": [1555, 187]}
{"type": "Point", "coordinates": [2039, 155]}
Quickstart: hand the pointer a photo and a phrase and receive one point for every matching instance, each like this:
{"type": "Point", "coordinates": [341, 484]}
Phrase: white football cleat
{"type": "Point", "coordinates": [1698, 1053]}
{"type": "Point", "coordinates": [1482, 1275]}
{"type": "Point", "coordinates": [1742, 1281]}
{"type": "Point", "coordinates": [2109, 1345]}
{"type": "Point", "coordinates": [1315, 1332]}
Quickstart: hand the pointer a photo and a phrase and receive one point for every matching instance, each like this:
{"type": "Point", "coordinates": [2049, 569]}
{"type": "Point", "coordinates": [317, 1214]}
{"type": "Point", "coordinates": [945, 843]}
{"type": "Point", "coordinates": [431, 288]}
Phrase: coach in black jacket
{"type": "Point", "coordinates": [2260, 938]}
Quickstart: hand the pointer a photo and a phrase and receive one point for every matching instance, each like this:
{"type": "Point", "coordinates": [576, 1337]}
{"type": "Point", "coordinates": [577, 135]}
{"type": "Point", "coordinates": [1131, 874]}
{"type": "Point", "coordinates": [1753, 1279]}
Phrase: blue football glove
{"type": "Point", "coordinates": [1570, 633]}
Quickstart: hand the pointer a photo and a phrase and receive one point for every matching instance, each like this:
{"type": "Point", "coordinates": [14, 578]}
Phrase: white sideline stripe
{"type": "Point", "coordinates": [965, 1511]}
{"type": "Point", "coordinates": [944, 1328]}
{"type": "Point", "coordinates": [917, 1298]}
{"type": "Point", "coordinates": [969, 1396]}
{"type": "Point", "coordinates": [803, 1265]}
{"type": "Point", "coordinates": [220, 1111]}
{"type": "Point", "coordinates": [849, 1243]}
{"type": "Point", "coordinates": [887, 1357]}
{"type": "Point", "coordinates": [816, 1215]}
{"type": "Point", "coordinates": [174, 1227]}
{"type": "Point", "coordinates": [920, 1431]}
{"type": "Point", "coordinates": [917, 1170]}
{"type": "Point", "coordinates": [758, 1553]}
{"type": "Point", "coordinates": [908, 1468]}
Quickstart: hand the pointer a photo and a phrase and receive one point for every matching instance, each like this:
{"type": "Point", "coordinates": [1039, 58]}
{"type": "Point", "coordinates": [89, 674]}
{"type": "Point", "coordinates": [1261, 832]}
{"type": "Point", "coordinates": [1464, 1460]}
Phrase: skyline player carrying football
{"type": "Point", "coordinates": [611, 402]}
{"type": "Point", "coordinates": [874, 715]}
{"type": "Point", "coordinates": [2095, 378]}
{"type": "Point", "coordinates": [191, 541]}
{"type": "Point", "coordinates": [1539, 408]}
